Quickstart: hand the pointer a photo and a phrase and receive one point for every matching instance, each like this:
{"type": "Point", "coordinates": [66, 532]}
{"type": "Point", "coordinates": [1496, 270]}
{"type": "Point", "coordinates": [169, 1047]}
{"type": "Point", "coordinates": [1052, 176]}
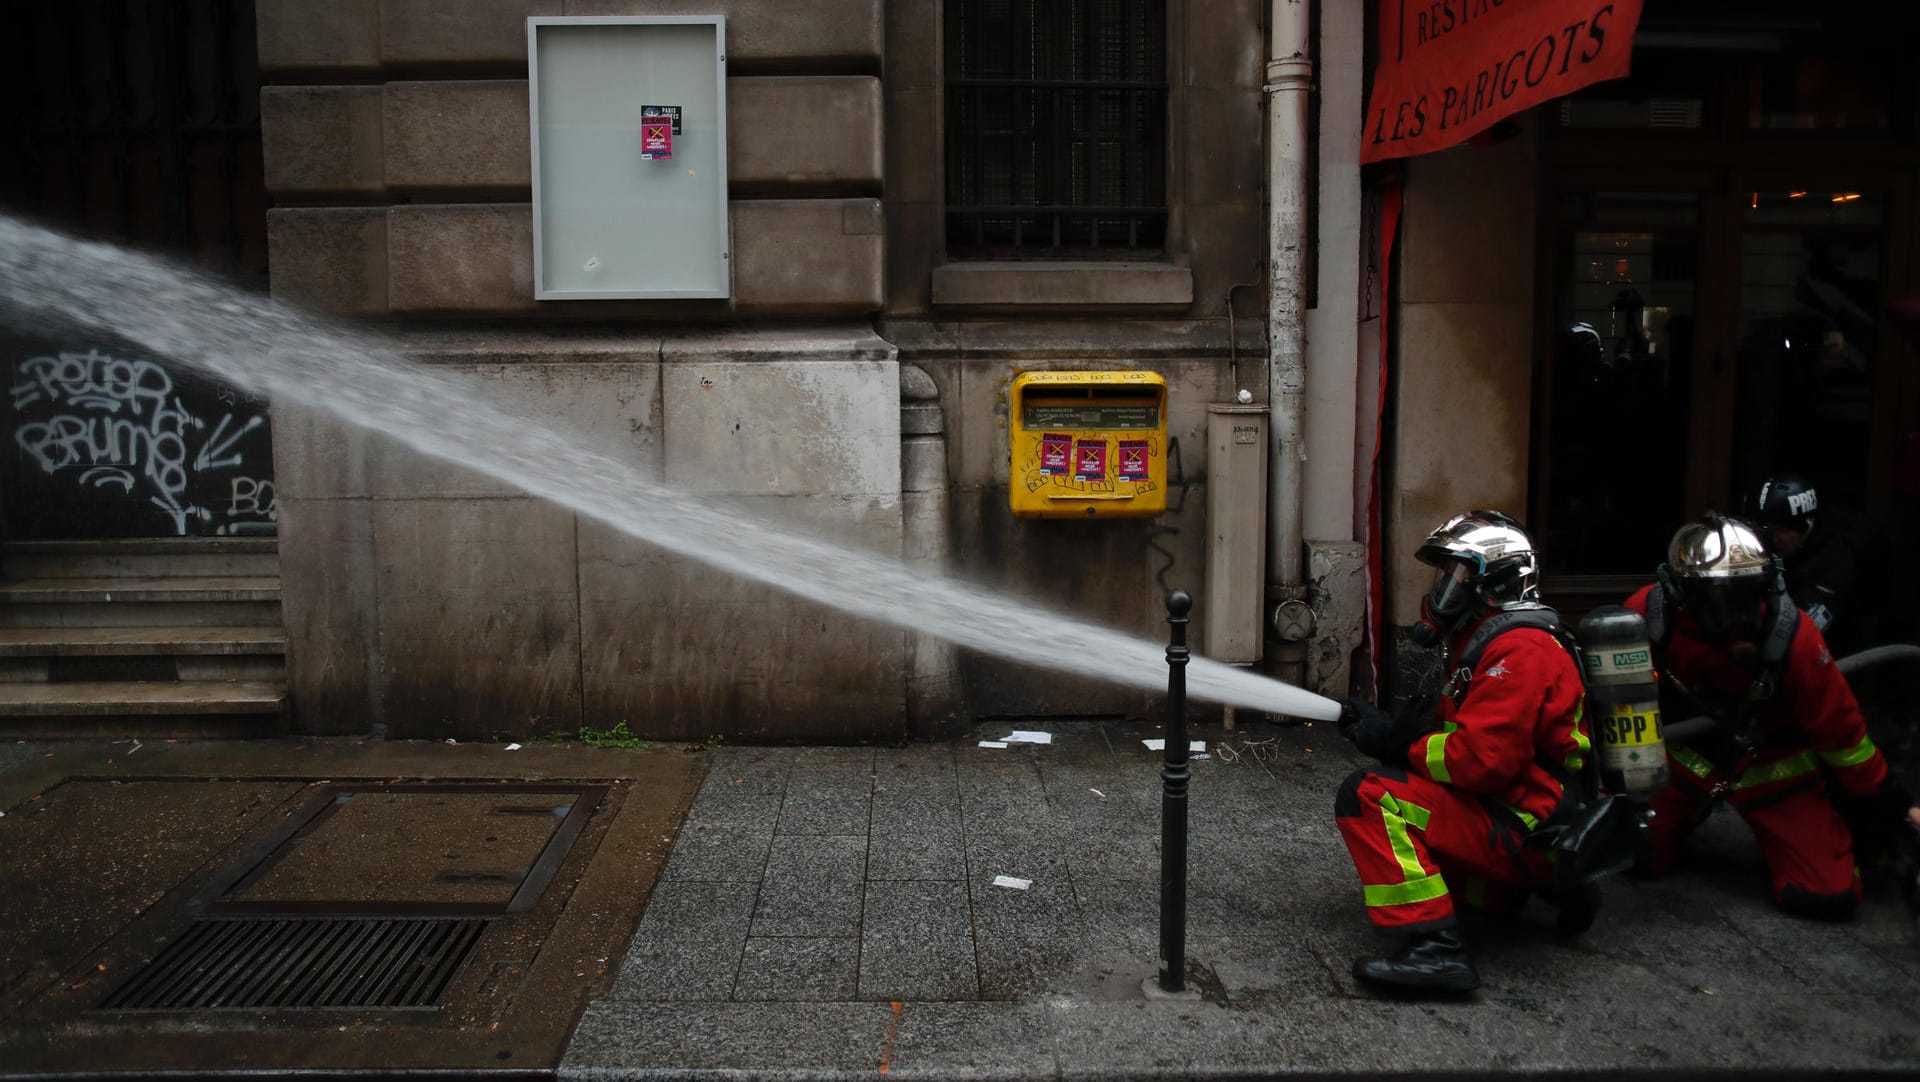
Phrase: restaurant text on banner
{"type": "Point", "coordinates": [1450, 69]}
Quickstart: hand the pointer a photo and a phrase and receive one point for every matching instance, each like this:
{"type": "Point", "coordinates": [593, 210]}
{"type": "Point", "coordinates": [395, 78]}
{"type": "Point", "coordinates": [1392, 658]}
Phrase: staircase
{"type": "Point", "coordinates": [147, 637]}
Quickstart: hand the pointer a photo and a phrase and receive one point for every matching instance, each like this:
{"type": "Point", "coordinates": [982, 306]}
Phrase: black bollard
{"type": "Point", "coordinates": [1173, 804]}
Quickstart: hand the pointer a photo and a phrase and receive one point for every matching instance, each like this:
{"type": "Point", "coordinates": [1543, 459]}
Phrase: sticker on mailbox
{"type": "Point", "coordinates": [1056, 454]}
{"type": "Point", "coordinates": [1133, 460]}
{"type": "Point", "coordinates": [1090, 460]}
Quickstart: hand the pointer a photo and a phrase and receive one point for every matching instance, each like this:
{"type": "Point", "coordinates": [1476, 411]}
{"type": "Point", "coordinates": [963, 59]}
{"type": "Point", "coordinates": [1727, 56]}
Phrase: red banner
{"type": "Point", "coordinates": [1450, 69]}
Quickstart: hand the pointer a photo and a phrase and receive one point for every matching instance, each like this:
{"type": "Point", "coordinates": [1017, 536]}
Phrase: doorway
{"type": "Point", "coordinates": [1722, 238]}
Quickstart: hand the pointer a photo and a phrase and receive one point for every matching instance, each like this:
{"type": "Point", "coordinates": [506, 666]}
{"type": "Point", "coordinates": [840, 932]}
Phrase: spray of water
{"type": "Point", "coordinates": [180, 314]}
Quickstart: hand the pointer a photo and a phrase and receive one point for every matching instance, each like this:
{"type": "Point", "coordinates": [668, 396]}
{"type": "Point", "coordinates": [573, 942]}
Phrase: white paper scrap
{"type": "Point", "coordinates": [513, 747]}
{"type": "Point", "coordinates": [1196, 745]}
{"type": "Point", "coordinates": [1156, 744]}
{"type": "Point", "coordinates": [1202, 755]}
{"type": "Point", "coordinates": [1028, 736]}
{"type": "Point", "coordinates": [993, 743]}
{"type": "Point", "coordinates": [1011, 883]}
{"type": "Point", "coordinates": [1098, 793]}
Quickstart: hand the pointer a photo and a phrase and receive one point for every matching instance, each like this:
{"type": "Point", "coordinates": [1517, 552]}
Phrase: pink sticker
{"type": "Point", "coordinates": [1090, 460]}
{"type": "Point", "coordinates": [1056, 454]}
{"type": "Point", "coordinates": [1133, 460]}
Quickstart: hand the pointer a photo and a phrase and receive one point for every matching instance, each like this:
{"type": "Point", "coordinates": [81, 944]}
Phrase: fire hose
{"type": "Point", "coordinates": [1852, 663]}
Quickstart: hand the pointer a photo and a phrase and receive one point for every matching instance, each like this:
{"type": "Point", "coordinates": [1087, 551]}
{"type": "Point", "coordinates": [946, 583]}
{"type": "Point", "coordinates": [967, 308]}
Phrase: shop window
{"type": "Point", "coordinates": [1810, 300]}
{"type": "Point", "coordinates": [1621, 381]}
{"type": "Point", "coordinates": [1056, 128]}
{"type": "Point", "coordinates": [1819, 93]}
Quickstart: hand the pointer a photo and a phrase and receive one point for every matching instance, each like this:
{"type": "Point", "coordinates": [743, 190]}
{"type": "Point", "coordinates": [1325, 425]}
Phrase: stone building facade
{"type": "Point", "coordinates": [432, 602]}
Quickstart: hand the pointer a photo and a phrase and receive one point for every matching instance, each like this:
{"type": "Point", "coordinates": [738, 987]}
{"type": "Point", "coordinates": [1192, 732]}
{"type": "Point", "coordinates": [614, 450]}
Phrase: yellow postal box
{"type": "Point", "coordinates": [1088, 444]}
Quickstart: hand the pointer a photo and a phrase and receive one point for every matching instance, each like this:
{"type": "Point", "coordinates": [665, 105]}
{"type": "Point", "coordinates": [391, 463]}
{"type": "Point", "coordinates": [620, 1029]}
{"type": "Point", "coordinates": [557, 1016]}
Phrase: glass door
{"type": "Point", "coordinates": [1809, 340]}
{"type": "Point", "coordinates": [1619, 384]}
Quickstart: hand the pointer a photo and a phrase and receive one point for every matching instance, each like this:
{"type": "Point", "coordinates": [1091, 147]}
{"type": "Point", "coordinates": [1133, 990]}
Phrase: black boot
{"type": "Point", "coordinates": [1430, 961]}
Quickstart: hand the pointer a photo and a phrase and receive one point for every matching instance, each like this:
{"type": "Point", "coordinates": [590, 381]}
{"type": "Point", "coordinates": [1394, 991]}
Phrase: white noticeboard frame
{"type": "Point", "coordinates": [622, 210]}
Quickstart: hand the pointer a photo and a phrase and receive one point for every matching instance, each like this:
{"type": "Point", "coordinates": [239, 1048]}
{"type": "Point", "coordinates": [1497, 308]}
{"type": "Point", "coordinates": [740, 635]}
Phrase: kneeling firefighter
{"type": "Point", "coordinates": [1787, 747]}
{"type": "Point", "coordinates": [1475, 789]}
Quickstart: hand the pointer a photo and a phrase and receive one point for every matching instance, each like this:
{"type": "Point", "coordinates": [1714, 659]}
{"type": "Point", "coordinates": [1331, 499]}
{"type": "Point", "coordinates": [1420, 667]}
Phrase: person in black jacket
{"type": "Point", "coordinates": [1828, 555]}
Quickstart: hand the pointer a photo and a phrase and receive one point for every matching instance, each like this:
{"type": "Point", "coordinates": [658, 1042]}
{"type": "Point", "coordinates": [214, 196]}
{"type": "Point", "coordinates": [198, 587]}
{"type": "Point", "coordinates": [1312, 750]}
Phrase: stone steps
{"type": "Point", "coordinates": [144, 556]}
{"type": "Point", "coordinates": [149, 637]}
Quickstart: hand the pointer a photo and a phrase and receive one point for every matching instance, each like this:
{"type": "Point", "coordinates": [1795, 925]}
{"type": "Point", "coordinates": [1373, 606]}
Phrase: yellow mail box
{"type": "Point", "coordinates": [1088, 444]}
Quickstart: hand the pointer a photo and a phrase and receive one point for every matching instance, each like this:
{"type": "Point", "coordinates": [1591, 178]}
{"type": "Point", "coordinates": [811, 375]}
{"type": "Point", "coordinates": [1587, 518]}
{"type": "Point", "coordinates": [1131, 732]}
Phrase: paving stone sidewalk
{"type": "Point", "coordinates": [830, 913]}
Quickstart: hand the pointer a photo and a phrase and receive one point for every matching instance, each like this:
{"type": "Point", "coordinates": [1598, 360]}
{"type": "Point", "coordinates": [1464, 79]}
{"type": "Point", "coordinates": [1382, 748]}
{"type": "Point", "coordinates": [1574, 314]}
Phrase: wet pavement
{"type": "Point", "coordinates": [258, 865]}
{"type": "Point", "coordinates": [833, 913]}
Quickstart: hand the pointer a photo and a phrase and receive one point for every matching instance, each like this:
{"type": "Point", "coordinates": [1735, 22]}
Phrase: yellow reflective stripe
{"type": "Point", "coordinates": [1397, 814]}
{"type": "Point", "coordinates": [1778, 770]}
{"type": "Point", "coordinates": [1413, 890]}
{"type": "Point", "coordinates": [1581, 744]}
{"type": "Point", "coordinates": [1529, 821]}
{"type": "Point", "coordinates": [1695, 763]}
{"type": "Point", "coordinates": [1853, 756]}
{"type": "Point", "coordinates": [1437, 756]}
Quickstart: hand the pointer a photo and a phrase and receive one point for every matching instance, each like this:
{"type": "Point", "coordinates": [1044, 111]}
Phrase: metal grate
{"type": "Point", "coordinates": [304, 962]}
{"type": "Point", "coordinates": [1056, 127]}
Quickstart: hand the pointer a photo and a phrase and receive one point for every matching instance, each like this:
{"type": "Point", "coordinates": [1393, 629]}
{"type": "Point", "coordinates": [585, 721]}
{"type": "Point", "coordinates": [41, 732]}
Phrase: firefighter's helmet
{"type": "Point", "coordinates": [1484, 561]}
{"type": "Point", "coordinates": [1723, 575]}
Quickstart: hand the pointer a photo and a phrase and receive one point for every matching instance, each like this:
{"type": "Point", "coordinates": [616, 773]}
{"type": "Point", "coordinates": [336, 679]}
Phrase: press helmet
{"type": "Point", "coordinates": [1722, 574]}
{"type": "Point", "coordinates": [1786, 501]}
{"type": "Point", "coordinates": [1484, 560]}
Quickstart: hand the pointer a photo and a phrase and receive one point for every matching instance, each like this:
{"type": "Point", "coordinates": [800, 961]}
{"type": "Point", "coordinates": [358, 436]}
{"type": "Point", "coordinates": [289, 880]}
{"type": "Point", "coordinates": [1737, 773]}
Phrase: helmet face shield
{"type": "Point", "coordinates": [1452, 590]}
{"type": "Point", "coordinates": [1729, 608]}
{"type": "Point", "coordinates": [1448, 600]}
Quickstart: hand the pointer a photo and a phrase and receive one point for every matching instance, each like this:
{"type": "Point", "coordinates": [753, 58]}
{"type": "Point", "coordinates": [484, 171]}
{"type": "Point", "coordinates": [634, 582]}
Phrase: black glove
{"type": "Point", "coordinates": [1370, 729]}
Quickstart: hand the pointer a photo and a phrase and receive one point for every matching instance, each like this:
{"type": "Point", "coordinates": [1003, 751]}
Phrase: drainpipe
{"type": "Point", "coordinates": [1289, 75]}
{"type": "Point", "coordinates": [931, 687]}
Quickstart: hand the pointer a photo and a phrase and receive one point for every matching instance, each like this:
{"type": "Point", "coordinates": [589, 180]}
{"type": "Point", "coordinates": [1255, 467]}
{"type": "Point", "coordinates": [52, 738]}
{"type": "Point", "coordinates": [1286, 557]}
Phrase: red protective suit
{"type": "Point", "coordinates": [1474, 788]}
{"type": "Point", "coordinates": [1809, 730]}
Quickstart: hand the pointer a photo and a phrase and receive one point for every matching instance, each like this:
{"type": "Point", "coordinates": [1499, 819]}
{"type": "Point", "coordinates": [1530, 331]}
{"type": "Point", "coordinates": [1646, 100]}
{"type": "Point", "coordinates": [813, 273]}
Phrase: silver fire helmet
{"type": "Point", "coordinates": [1483, 556]}
{"type": "Point", "coordinates": [1724, 574]}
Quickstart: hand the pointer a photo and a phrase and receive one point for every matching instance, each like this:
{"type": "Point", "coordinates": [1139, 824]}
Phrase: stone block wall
{"type": "Point", "coordinates": [434, 601]}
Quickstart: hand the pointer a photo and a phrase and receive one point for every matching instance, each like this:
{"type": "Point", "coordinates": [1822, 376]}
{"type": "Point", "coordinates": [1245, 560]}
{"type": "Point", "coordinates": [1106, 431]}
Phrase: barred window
{"type": "Point", "coordinates": [1056, 128]}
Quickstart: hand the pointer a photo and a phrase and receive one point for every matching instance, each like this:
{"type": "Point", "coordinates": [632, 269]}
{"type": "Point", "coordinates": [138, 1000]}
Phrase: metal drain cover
{"type": "Point", "coordinates": [303, 962]}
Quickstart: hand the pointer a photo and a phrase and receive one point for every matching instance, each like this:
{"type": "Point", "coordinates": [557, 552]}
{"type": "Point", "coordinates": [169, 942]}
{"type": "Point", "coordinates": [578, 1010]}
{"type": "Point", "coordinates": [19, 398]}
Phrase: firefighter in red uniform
{"type": "Point", "coordinates": [1460, 791]}
{"type": "Point", "coordinates": [1788, 748]}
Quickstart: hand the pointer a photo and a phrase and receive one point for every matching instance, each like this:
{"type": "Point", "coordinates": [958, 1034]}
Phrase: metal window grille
{"type": "Point", "coordinates": [1056, 127]}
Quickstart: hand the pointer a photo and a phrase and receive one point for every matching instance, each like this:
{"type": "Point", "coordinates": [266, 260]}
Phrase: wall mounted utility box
{"type": "Point", "coordinates": [1088, 444]}
{"type": "Point", "coordinates": [628, 119]}
{"type": "Point", "coordinates": [1236, 533]}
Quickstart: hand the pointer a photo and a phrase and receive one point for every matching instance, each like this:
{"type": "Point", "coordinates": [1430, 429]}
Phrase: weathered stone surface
{"type": "Point", "coordinates": [822, 130]}
{"type": "Point", "coordinates": [604, 408]}
{"type": "Point", "coordinates": [680, 650]}
{"type": "Point", "coordinates": [330, 259]}
{"type": "Point", "coordinates": [462, 258]}
{"type": "Point", "coordinates": [1337, 571]}
{"type": "Point", "coordinates": [300, 35]}
{"type": "Point", "coordinates": [457, 134]}
{"type": "Point", "coordinates": [327, 603]}
{"type": "Point", "coordinates": [770, 428]}
{"type": "Point", "coordinates": [479, 626]}
{"type": "Point", "coordinates": [322, 139]}
{"type": "Point", "coordinates": [808, 255]}
{"type": "Point", "coordinates": [472, 32]}
{"type": "Point", "coordinates": [316, 456]}
{"type": "Point", "coordinates": [1062, 284]}
{"type": "Point", "coordinates": [768, 31]}
{"type": "Point", "coordinates": [1467, 352]}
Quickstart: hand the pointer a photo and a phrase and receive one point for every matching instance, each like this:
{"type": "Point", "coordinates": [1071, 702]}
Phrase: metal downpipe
{"type": "Point", "coordinates": [1289, 76]}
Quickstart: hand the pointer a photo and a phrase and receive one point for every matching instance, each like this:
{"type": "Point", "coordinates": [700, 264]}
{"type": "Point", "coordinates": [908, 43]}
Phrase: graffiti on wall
{"type": "Point", "coordinates": [103, 444]}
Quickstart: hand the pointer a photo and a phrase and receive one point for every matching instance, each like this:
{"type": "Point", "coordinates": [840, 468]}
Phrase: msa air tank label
{"type": "Point", "coordinates": [1629, 725]}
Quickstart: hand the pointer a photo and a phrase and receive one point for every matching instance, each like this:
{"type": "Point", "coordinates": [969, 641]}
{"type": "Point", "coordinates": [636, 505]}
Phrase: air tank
{"type": "Point", "coordinates": [1623, 701]}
